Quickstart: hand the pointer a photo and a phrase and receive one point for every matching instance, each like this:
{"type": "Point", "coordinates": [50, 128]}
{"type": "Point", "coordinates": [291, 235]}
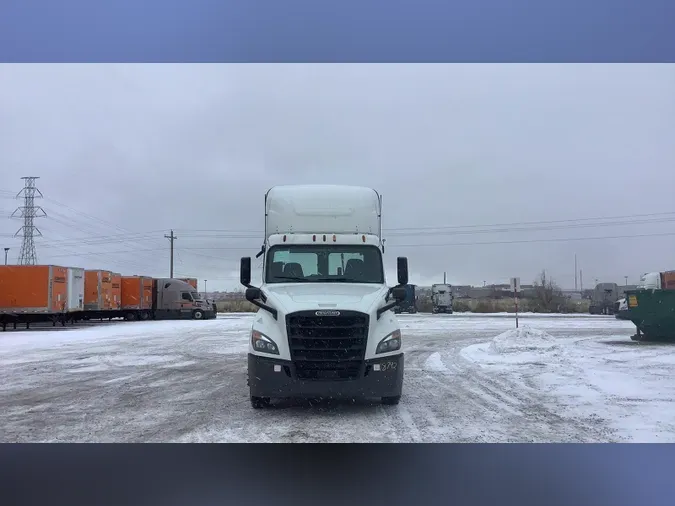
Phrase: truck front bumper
{"type": "Point", "coordinates": [265, 381]}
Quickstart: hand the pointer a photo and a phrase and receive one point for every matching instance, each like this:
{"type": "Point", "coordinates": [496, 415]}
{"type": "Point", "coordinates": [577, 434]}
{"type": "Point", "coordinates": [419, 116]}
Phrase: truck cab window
{"type": "Point", "coordinates": [324, 263]}
{"type": "Point", "coordinates": [186, 296]}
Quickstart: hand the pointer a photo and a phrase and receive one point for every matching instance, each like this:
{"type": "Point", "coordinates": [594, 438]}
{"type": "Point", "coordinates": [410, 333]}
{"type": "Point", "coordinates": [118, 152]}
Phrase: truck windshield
{"type": "Point", "coordinates": [324, 263]}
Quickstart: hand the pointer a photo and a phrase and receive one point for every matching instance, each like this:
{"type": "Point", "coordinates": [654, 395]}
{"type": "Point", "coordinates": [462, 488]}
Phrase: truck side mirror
{"type": "Point", "coordinates": [252, 293]}
{"type": "Point", "coordinates": [399, 293]}
{"type": "Point", "coordinates": [402, 270]}
{"type": "Point", "coordinates": [245, 271]}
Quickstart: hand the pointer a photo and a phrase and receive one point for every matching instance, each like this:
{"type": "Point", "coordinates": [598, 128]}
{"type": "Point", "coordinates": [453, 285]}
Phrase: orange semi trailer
{"type": "Point", "coordinates": [190, 281]}
{"type": "Point", "coordinates": [116, 290]}
{"type": "Point", "coordinates": [137, 297]}
{"type": "Point", "coordinates": [101, 298]}
{"type": "Point", "coordinates": [33, 293]}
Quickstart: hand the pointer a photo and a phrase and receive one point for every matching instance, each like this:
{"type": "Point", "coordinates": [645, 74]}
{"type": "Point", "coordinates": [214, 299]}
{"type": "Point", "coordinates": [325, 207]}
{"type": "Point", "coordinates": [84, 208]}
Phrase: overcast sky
{"type": "Point", "coordinates": [126, 152]}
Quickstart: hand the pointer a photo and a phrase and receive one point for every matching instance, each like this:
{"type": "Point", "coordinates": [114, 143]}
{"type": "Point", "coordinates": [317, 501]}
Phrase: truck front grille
{"type": "Point", "coordinates": [327, 347]}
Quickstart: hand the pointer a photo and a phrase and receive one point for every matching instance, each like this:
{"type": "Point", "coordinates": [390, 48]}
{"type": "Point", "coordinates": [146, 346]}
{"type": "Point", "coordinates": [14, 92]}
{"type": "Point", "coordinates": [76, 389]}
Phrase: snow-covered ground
{"type": "Point", "coordinates": [468, 378]}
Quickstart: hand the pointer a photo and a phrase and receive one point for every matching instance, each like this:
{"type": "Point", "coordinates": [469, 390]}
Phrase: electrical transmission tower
{"type": "Point", "coordinates": [29, 211]}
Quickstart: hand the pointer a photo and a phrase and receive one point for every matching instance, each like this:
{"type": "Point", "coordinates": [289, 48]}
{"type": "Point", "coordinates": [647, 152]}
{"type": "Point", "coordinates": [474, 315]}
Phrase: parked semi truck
{"type": "Point", "coordinates": [176, 299]}
{"type": "Point", "coordinates": [621, 309]}
{"type": "Point", "coordinates": [441, 298]}
{"type": "Point", "coordinates": [657, 281]}
{"type": "Point", "coordinates": [50, 293]}
{"type": "Point", "coordinates": [325, 327]}
{"type": "Point", "coordinates": [144, 298]}
{"type": "Point", "coordinates": [191, 281]}
{"type": "Point", "coordinates": [409, 303]}
{"type": "Point", "coordinates": [603, 298]}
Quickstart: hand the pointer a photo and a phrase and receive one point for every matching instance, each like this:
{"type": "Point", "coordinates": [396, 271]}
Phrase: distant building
{"type": "Point", "coordinates": [573, 294]}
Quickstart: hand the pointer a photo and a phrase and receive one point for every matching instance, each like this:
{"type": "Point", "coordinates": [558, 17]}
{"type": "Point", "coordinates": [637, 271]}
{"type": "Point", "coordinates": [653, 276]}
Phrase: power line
{"type": "Point", "coordinates": [525, 241]}
{"type": "Point", "coordinates": [465, 229]}
{"type": "Point", "coordinates": [68, 221]}
{"type": "Point", "coordinates": [545, 222]}
{"type": "Point", "coordinates": [144, 235]}
{"type": "Point", "coordinates": [102, 239]}
{"type": "Point", "coordinates": [29, 211]}
{"type": "Point", "coordinates": [433, 245]}
{"type": "Point", "coordinates": [129, 236]}
{"type": "Point", "coordinates": [248, 233]}
{"type": "Point", "coordinates": [547, 228]}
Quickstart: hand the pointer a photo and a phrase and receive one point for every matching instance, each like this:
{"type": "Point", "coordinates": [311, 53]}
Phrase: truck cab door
{"type": "Point", "coordinates": [186, 301]}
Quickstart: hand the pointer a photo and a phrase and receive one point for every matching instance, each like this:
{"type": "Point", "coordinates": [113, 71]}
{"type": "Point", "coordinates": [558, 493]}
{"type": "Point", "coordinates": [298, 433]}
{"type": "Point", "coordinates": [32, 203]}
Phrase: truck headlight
{"type": "Point", "coordinates": [263, 343]}
{"type": "Point", "coordinates": [390, 343]}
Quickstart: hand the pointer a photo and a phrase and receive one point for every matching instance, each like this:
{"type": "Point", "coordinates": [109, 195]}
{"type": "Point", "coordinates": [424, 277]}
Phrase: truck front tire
{"type": "Point", "coordinates": [198, 315]}
{"type": "Point", "coordinates": [260, 402]}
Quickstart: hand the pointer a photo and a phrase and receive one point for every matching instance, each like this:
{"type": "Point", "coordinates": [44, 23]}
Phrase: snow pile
{"type": "Point", "coordinates": [522, 346]}
{"type": "Point", "coordinates": [435, 363]}
{"type": "Point", "coordinates": [523, 339]}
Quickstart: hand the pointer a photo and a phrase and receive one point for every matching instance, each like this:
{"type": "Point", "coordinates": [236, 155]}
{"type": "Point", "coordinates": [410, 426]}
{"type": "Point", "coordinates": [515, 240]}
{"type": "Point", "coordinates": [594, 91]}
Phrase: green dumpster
{"type": "Point", "coordinates": [653, 313]}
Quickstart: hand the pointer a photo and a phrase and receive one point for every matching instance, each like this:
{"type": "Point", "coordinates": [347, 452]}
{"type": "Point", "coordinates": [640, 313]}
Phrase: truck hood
{"type": "Point", "coordinates": [349, 296]}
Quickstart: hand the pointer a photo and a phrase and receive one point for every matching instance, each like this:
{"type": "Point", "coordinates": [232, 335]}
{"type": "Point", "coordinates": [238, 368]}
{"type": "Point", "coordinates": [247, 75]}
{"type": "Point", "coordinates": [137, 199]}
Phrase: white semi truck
{"type": "Point", "coordinates": [441, 298]}
{"type": "Point", "coordinates": [325, 328]}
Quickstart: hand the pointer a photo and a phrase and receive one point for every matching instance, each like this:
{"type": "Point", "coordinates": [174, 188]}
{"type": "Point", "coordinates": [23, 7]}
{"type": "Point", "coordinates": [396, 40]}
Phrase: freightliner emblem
{"type": "Point", "coordinates": [327, 313]}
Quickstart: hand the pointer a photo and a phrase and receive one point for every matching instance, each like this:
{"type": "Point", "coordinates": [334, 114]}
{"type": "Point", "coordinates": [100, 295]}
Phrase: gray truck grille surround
{"type": "Point", "coordinates": [327, 348]}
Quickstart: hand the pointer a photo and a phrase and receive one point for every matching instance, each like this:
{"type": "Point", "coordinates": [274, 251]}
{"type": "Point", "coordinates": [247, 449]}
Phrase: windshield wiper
{"type": "Point", "coordinates": [341, 280]}
{"type": "Point", "coordinates": [289, 278]}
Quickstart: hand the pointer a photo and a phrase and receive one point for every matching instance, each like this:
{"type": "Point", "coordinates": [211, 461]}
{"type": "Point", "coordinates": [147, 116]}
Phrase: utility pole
{"type": "Point", "coordinates": [626, 278]}
{"type": "Point", "coordinates": [575, 272]}
{"type": "Point", "coordinates": [6, 251]}
{"type": "Point", "coordinates": [581, 280]}
{"type": "Point", "coordinates": [171, 239]}
{"type": "Point", "coordinates": [205, 287]}
{"type": "Point", "coordinates": [444, 278]}
{"type": "Point", "coordinates": [29, 211]}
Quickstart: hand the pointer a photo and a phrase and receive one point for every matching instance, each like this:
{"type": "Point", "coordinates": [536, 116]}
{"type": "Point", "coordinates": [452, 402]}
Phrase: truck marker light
{"type": "Point", "coordinates": [324, 238]}
{"type": "Point", "coordinates": [376, 367]}
{"type": "Point", "coordinates": [277, 368]}
{"type": "Point", "coordinates": [314, 238]}
{"type": "Point", "coordinates": [284, 238]}
{"type": "Point", "coordinates": [363, 238]}
{"type": "Point", "coordinates": [334, 238]}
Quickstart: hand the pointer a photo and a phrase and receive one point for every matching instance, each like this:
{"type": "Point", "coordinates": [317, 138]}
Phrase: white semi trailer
{"type": "Point", "coordinates": [325, 328]}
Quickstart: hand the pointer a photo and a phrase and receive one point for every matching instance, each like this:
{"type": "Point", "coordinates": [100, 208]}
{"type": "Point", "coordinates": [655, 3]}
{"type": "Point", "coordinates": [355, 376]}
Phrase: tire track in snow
{"type": "Point", "coordinates": [532, 401]}
{"type": "Point", "coordinates": [208, 400]}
